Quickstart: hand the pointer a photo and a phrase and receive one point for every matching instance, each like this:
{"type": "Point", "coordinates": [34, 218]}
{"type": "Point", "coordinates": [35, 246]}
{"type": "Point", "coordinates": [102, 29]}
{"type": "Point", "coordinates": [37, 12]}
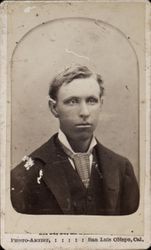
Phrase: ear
{"type": "Point", "coordinates": [53, 107]}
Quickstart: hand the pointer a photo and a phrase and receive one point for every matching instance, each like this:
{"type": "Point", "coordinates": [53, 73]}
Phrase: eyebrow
{"type": "Point", "coordinates": [77, 97]}
{"type": "Point", "coordinates": [71, 97]}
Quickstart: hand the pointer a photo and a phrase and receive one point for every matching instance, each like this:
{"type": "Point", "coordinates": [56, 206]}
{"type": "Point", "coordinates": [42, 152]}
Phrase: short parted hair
{"type": "Point", "coordinates": [70, 74]}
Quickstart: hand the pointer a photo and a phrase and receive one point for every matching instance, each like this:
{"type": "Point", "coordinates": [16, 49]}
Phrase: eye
{"type": "Point", "coordinates": [92, 100]}
{"type": "Point", "coordinates": [72, 101]}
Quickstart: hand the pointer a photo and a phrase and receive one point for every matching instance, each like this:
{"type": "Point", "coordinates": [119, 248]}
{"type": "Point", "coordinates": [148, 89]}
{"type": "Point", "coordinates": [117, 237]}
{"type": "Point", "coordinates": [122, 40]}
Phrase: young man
{"type": "Point", "coordinates": [73, 173]}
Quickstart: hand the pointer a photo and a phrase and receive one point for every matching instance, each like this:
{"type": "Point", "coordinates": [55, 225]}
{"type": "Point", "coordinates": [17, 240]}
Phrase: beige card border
{"type": "Point", "coordinates": [12, 240]}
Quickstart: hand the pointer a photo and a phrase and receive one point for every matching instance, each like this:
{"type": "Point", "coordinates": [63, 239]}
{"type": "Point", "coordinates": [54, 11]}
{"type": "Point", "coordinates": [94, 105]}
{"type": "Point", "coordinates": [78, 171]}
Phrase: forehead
{"type": "Point", "coordinates": [80, 87]}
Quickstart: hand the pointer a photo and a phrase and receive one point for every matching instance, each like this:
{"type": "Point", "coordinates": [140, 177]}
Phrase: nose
{"type": "Point", "coordinates": [84, 111]}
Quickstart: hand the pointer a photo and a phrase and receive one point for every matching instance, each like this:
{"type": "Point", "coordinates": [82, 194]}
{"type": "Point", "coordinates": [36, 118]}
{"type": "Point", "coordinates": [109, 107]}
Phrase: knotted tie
{"type": "Point", "coordinates": [82, 164]}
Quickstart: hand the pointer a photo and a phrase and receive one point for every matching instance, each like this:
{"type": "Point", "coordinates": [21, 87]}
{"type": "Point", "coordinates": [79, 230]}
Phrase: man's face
{"type": "Point", "coordinates": [78, 106]}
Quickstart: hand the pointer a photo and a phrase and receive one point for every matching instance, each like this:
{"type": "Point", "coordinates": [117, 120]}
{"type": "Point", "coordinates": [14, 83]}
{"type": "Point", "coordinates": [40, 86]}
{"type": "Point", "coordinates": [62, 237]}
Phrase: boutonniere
{"type": "Point", "coordinates": [29, 162]}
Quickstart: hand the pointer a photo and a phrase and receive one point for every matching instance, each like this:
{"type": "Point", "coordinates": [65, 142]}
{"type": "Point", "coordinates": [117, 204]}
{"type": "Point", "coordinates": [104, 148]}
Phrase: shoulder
{"type": "Point", "coordinates": [31, 164]}
{"type": "Point", "coordinates": [27, 177]}
{"type": "Point", "coordinates": [113, 162]}
{"type": "Point", "coordinates": [110, 154]}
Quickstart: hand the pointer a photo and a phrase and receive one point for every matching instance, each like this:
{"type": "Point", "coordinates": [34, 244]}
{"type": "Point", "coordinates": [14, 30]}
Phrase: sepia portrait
{"type": "Point", "coordinates": [73, 173]}
{"type": "Point", "coordinates": [75, 111]}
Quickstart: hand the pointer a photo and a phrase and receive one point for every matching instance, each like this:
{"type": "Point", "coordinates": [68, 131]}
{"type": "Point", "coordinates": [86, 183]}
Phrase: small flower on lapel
{"type": "Point", "coordinates": [25, 158]}
{"type": "Point", "coordinates": [29, 162]}
{"type": "Point", "coordinates": [40, 176]}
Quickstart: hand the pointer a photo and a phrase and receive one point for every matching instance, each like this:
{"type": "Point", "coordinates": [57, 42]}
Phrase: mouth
{"type": "Point", "coordinates": [84, 125]}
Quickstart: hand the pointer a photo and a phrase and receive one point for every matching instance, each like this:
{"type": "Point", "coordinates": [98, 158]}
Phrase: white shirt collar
{"type": "Point", "coordinates": [63, 139]}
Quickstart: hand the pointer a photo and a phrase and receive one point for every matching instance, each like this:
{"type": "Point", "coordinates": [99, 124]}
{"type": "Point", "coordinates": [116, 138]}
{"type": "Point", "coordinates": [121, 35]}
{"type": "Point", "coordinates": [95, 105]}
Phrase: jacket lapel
{"type": "Point", "coordinates": [110, 178]}
{"type": "Point", "coordinates": [56, 181]}
{"type": "Point", "coordinates": [54, 159]}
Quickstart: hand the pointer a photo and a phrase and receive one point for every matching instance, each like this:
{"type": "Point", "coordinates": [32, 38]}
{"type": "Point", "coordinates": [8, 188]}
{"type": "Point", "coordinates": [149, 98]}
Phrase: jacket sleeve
{"type": "Point", "coordinates": [23, 185]}
{"type": "Point", "coordinates": [130, 191]}
{"type": "Point", "coordinates": [19, 197]}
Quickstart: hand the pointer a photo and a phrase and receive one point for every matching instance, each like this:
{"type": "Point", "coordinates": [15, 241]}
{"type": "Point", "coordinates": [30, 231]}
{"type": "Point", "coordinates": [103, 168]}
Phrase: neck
{"type": "Point", "coordinates": [80, 145]}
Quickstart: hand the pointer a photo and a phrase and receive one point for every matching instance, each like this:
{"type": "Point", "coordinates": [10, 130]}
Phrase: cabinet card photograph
{"type": "Point", "coordinates": [75, 124]}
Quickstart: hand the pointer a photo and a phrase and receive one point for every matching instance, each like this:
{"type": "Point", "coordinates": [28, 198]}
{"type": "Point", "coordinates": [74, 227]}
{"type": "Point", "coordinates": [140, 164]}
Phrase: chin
{"type": "Point", "coordinates": [81, 134]}
{"type": "Point", "coordinates": [84, 136]}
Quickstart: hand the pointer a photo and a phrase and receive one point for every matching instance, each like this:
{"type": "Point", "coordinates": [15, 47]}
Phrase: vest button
{"type": "Point", "coordinates": [74, 204]}
{"type": "Point", "coordinates": [89, 198]}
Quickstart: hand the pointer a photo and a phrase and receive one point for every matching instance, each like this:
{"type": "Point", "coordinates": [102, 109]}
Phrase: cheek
{"type": "Point", "coordinates": [95, 111]}
{"type": "Point", "coordinates": [66, 117]}
{"type": "Point", "coordinates": [68, 112]}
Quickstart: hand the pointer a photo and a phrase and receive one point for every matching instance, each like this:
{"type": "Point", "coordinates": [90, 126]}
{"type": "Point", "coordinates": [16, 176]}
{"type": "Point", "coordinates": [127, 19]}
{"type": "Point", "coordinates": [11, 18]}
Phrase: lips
{"type": "Point", "coordinates": [84, 125]}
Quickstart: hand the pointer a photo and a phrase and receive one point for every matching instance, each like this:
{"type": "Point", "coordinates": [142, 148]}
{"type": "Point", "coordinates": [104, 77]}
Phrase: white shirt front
{"type": "Point", "coordinates": [63, 139]}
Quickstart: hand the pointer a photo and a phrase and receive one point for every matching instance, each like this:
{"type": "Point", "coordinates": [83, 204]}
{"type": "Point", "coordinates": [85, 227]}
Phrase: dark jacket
{"type": "Point", "coordinates": [45, 188]}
